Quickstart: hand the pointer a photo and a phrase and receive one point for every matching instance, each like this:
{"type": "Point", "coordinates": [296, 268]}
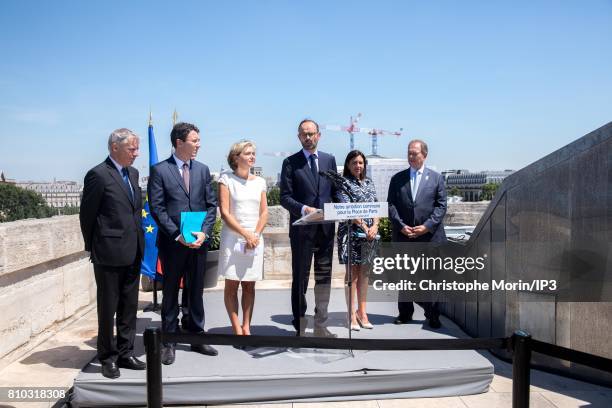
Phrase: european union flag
{"type": "Point", "coordinates": [149, 262]}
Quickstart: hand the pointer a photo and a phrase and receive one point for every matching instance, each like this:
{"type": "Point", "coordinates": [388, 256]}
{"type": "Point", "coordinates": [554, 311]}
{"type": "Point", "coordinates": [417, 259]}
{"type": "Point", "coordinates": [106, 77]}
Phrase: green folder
{"type": "Point", "coordinates": [191, 222]}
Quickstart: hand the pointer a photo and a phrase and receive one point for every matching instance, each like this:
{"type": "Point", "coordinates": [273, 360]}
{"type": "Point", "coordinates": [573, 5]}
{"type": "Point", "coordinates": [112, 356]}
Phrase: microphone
{"type": "Point", "coordinates": [332, 175]}
{"type": "Point", "coordinates": [339, 181]}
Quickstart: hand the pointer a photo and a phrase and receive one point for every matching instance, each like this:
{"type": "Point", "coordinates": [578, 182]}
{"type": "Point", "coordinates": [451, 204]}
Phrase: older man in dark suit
{"type": "Point", "coordinates": [182, 184]}
{"type": "Point", "coordinates": [417, 205]}
{"type": "Point", "coordinates": [303, 191]}
{"type": "Point", "coordinates": [110, 222]}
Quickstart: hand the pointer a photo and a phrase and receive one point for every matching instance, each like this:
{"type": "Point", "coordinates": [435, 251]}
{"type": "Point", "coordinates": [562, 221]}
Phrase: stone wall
{"type": "Point", "coordinates": [550, 220]}
{"type": "Point", "coordinates": [31, 242]}
{"type": "Point", "coordinates": [45, 277]}
{"type": "Point", "coordinates": [465, 213]}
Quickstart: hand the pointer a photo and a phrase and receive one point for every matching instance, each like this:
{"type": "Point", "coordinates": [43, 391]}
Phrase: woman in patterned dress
{"type": "Point", "coordinates": [363, 250]}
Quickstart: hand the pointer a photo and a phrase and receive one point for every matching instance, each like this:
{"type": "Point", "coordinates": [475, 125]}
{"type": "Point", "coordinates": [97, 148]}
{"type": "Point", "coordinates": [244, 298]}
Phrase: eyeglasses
{"type": "Point", "coordinates": [309, 134]}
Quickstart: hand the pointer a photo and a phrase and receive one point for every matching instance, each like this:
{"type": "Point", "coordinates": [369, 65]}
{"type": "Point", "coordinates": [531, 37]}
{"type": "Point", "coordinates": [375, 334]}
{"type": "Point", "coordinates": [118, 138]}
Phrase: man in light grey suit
{"type": "Point", "coordinates": [182, 184]}
{"type": "Point", "coordinates": [417, 205]}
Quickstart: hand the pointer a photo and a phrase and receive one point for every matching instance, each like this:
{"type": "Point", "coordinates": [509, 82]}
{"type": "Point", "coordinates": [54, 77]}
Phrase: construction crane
{"type": "Point", "coordinates": [352, 129]}
{"type": "Point", "coordinates": [374, 133]}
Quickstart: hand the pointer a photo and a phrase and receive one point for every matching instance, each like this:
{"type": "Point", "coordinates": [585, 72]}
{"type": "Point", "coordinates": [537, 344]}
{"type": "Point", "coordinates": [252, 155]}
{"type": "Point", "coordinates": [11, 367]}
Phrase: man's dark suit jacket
{"type": "Point", "coordinates": [168, 198]}
{"type": "Point", "coordinates": [428, 209]}
{"type": "Point", "coordinates": [110, 221]}
{"type": "Point", "coordinates": [298, 188]}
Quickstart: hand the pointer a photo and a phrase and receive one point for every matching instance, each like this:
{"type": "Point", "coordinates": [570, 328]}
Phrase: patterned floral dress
{"type": "Point", "coordinates": [362, 250]}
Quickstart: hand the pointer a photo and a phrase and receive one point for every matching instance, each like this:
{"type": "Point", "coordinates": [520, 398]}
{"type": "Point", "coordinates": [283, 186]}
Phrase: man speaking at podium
{"type": "Point", "coordinates": [303, 191]}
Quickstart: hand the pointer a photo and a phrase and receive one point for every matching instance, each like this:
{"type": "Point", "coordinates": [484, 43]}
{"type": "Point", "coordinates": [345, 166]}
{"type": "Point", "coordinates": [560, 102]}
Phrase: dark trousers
{"type": "Point", "coordinates": [406, 309]}
{"type": "Point", "coordinates": [117, 292]}
{"type": "Point", "coordinates": [179, 261]}
{"type": "Point", "coordinates": [303, 248]}
{"type": "Point", "coordinates": [185, 306]}
{"type": "Point", "coordinates": [404, 304]}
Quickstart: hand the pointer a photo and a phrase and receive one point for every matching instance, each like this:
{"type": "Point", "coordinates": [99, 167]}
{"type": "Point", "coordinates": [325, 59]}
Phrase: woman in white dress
{"type": "Point", "coordinates": [244, 210]}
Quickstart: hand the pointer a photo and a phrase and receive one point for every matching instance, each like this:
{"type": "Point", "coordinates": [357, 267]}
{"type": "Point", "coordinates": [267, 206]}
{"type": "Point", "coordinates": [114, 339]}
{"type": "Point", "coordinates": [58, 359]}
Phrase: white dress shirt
{"type": "Point", "coordinates": [415, 181]}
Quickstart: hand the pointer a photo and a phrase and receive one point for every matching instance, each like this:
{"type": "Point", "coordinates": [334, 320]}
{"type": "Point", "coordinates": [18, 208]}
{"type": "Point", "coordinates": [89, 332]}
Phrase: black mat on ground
{"type": "Point", "coordinates": [285, 374]}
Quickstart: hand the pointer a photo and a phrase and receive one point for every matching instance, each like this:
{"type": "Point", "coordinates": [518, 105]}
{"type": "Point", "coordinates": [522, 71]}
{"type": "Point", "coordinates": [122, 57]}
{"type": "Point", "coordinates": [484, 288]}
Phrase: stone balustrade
{"type": "Point", "coordinates": [46, 277]}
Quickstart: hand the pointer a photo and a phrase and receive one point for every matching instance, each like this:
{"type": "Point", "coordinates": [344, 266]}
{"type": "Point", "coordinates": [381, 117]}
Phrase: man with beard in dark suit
{"type": "Point", "coordinates": [417, 205]}
{"type": "Point", "coordinates": [182, 184]}
{"type": "Point", "coordinates": [303, 191]}
{"type": "Point", "coordinates": [110, 222]}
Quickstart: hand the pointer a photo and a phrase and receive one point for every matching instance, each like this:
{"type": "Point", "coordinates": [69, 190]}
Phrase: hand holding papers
{"type": "Point", "coordinates": [191, 227]}
{"type": "Point", "coordinates": [312, 217]}
{"type": "Point", "coordinates": [241, 246]}
{"type": "Point", "coordinates": [364, 236]}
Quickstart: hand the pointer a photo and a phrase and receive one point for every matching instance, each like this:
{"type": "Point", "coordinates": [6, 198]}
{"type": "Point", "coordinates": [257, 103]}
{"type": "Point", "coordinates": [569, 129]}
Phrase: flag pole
{"type": "Point", "coordinates": [152, 307]}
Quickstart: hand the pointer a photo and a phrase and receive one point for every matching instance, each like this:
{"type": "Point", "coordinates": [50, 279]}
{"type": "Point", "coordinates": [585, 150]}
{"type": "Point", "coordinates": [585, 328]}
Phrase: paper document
{"type": "Point", "coordinates": [312, 218]}
{"type": "Point", "coordinates": [241, 247]}
{"type": "Point", "coordinates": [191, 222]}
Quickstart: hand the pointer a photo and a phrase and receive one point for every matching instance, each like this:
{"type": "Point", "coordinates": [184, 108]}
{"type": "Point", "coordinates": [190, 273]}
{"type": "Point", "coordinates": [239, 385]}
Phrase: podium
{"type": "Point", "coordinates": [345, 212]}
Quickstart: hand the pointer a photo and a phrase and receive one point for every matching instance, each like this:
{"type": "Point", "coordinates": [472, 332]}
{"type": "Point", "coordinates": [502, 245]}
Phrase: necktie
{"type": "Point", "coordinates": [126, 180]}
{"type": "Point", "coordinates": [413, 185]}
{"type": "Point", "coordinates": [313, 169]}
{"type": "Point", "coordinates": [186, 176]}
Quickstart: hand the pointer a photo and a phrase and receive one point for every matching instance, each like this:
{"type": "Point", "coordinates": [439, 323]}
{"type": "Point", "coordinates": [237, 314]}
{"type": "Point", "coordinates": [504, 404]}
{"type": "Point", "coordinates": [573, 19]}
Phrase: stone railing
{"type": "Point", "coordinates": [549, 221]}
{"type": "Point", "coordinates": [45, 277]}
{"type": "Point", "coordinates": [468, 213]}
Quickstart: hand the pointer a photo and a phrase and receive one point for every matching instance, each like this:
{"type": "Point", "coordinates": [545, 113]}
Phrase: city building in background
{"type": "Point", "coordinates": [445, 173]}
{"type": "Point", "coordinates": [470, 185]}
{"type": "Point", "coordinates": [56, 193]}
{"type": "Point", "coordinates": [271, 182]}
{"type": "Point", "coordinates": [380, 170]}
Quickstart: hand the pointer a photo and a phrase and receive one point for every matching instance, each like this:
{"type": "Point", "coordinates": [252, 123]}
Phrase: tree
{"type": "Point", "coordinates": [384, 229]}
{"type": "Point", "coordinates": [273, 196]}
{"type": "Point", "coordinates": [17, 203]}
{"type": "Point", "coordinates": [454, 191]}
{"type": "Point", "coordinates": [215, 239]}
{"type": "Point", "coordinates": [488, 191]}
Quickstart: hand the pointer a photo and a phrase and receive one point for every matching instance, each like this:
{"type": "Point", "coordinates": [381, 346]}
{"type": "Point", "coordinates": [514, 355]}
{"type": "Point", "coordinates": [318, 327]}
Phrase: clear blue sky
{"type": "Point", "coordinates": [490, 85]}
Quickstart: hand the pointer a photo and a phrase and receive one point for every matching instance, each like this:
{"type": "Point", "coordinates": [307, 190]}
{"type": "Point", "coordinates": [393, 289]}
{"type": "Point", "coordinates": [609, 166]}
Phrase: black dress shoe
{"type": "Point", "coordinates": [167, 355]}
{"type": "Point", "coordinates": [402, 320]}
{"type": "Point", "coordinates": [132, 363]}
{"type": "Point", "coordinates": [110, 370]}
{"type": "Point", "coordinates": [434, 323]}
{"type": "Point", "coordinates": [204, 349]}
